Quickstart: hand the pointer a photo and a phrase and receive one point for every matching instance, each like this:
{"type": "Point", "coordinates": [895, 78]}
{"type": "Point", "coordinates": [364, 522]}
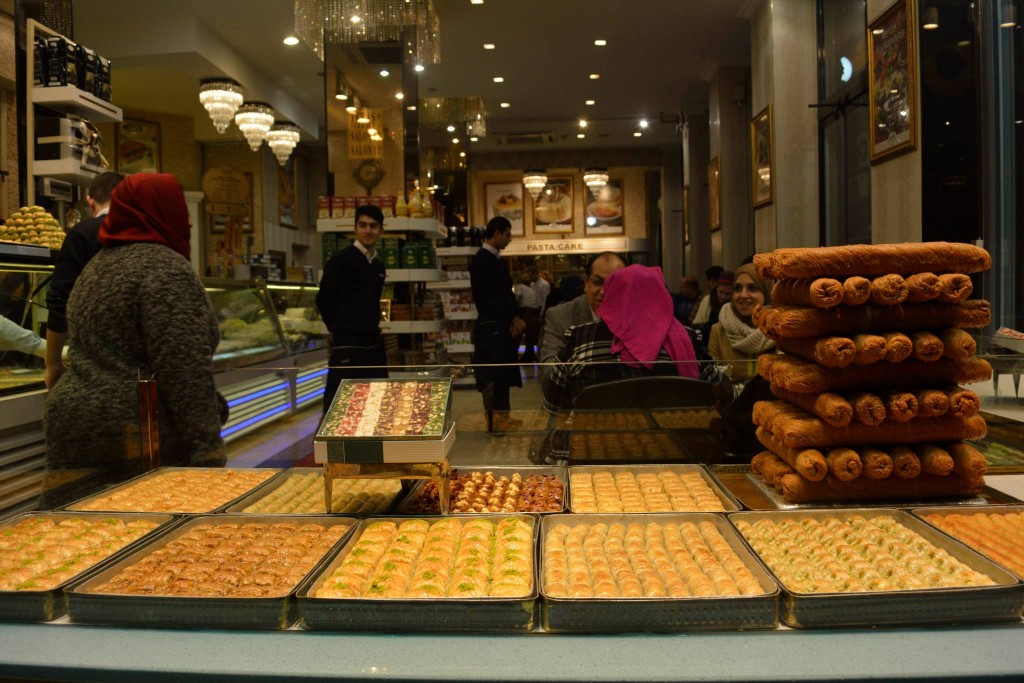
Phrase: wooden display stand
{"type": "Point", "coordinates": [436, 471]}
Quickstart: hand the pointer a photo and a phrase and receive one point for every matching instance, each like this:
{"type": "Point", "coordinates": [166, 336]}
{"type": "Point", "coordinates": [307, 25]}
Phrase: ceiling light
{"type": "Point", "coordinates": [399, 95]}
{"type": "Point", "coordinates": [363, 116]}
{"type": "Point", "coordinates": [877, 31]}
{"type": "Point", "coordinates": [476, 2]}
{"type": "Point", "coordinates": [371, 131]}
{"type": "Point", "coordinates": [282, 138]}
{"type": "Point", "coordinates": [455, 141]}
{"type": "Point", "coordinates": [450, 129]}
{"type": "Point", "coordinates": [411, 107]}
{"type": "Point", "coordinates": [930, 18]}
{"type": "Point", "coordinates": [355, 19]}
{"type": "Point", "coordinates": [418, 68]}
{"type": "Point", "coordinates": [505, 105]}
{"type": "Point", "coordinates": [384, 73]}
{"type": "Point", "coordinates": [637, 134]}
{"type": "Point", "coordinates": [643, 123]}
{"type": "Point", "coordinates": [590, 103]}
{"type": "Point", "coordinates": [600, 42]}
{"type": "Point", "coordinates": [476, 128]}
{"type": "Point", "coordinates": [474, 139]}
{"type": "Point", "coordinates": [353, 105]}
{"type": "Point", "coordinates": [581, 135]}
{"type": "Point", "coordinates": [1009, 16]}
{"type": "Point", "coordinates": [290, 40]}
{"type": "Point", "coordinates": [583, 123]}
{"type": "Point", "coordinates": [254, 119]}
{"type": "Point", "coordinates": [340, 89]}
{"type": "Point", "coordinates": [594, 77]}
{"type": "Point", "coordinates": [499, 79]}
{"type": "Point", "coordinates": [595, 179]}
{"type": "Point", "coordinates": [534, 181]}
{"type": "Point", "coordinates": [221, 97]}
{"type": "Point", "coordinates": [462, 154]}
{"type": "Point", "coordinates": [488, 46]}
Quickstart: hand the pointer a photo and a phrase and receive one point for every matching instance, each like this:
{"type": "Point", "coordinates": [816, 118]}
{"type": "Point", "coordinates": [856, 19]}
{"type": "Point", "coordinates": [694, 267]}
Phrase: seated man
{"type": "Point", "coordinates": [629, 340]}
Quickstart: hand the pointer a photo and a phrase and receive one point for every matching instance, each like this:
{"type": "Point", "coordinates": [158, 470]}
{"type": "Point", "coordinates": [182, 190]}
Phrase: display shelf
{"type": "Point", "coordinates": [70, 100]}
{"type": "Point", "coordinates": [411, 326]}
{"type": "Point", "coordinates": [457, 251]}
{"type": "Point", "coordinates": [429, 226]}
{"type": "Point", "coordinates": [459, 348]}
{"type": "Point", "coordinates": [449, 284]}
{"type": "Point", "coordinates": [466, 315]}
{"type": "Point", "coordinates": [71, 170]}
{"type": "Point", "coordinates": [429, 275]}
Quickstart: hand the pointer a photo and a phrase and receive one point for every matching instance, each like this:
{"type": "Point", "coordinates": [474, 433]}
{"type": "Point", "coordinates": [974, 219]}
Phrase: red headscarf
{"type": "Point", "coordinates": [148, 207]}
{"type": "Point", "coordinates": [638, 310]}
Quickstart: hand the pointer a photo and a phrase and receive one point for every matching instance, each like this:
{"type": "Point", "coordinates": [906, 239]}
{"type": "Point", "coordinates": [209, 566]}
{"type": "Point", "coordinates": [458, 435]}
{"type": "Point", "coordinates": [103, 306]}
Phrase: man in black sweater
{"type": "Point", "coordinates": [498, 324]}
{"type": "Point", "coordinates": [80, 245]}
{"type": "Point", "coordinates": [349, 303]}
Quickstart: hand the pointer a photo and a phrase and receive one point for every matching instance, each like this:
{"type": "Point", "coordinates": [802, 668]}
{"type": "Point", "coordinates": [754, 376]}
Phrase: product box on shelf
{"type": "Point", "coordinates": [384, 420]}
{"type": "Point", "coordinates": [323, 207]}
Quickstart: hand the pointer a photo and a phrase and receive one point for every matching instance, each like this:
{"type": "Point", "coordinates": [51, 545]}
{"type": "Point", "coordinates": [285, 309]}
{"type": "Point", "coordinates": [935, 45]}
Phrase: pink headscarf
{"type": "Point", "coordinates": [148, 207]}
{"type": "Point", "coordinates": [638, 310]}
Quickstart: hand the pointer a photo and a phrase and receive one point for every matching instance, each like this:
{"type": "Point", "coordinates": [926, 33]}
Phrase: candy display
{"type": "Point", "coordinates": [387, 408]}
{"type": "Point", "coordinates": [487, 492]}
{"type": "Point", "coordinates": [179, 490]}
{"type": "Point", "coordinates": [624, 491]}
{"type": "Point", "coordinates": [304, 494]}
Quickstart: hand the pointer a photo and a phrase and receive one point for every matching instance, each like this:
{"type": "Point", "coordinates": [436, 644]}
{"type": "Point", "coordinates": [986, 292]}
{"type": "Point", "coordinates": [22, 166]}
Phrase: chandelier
{"type": "Point", "coordinates": [477, 127]}
{"type": "Point", "coordinates": [320, 22]}
{"type": "Point", "coordinates": [221, 97]}
{"type": "Point", "coordinates": [534, 180]}
{"type": "Point", "coordinates": [595, 179]}
{"type": "Point", "coordinates": [254, 119]}
{"type": "Point", "coordinates": [282, 138]}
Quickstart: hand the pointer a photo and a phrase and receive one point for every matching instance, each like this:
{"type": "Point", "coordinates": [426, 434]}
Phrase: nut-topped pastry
{"type": "Point", "coordinates": [487, 492]}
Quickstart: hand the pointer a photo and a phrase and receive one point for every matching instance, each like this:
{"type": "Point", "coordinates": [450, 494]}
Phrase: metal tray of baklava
{"type": "Point", "coordinates": [603, 420]}
{"type": "Point", "coordinates": [922, 512]}
{"type": "Point", "coordinates": [46, 605]}
{"type": "Point", "coordinates": [1002, 601]}
{"type": "Point", "coordinates": [729, 502]}
{"type": "Point", "coordinates": [605, 450]}
{"type": "Point", "coordinates": [693, 419]}
{"type": "Point", "coordinates": [403, 508]}
{"type": "Point", "coordinates": [617, 615]}
{"type": "Point", "coordinates": [256, 495]}
{"type": "Point", "coordinates": [416, 614]}
{"type": "Point", "coordinates": [180, 611]}
{"type": "Point", "coordinates": [79, 504]}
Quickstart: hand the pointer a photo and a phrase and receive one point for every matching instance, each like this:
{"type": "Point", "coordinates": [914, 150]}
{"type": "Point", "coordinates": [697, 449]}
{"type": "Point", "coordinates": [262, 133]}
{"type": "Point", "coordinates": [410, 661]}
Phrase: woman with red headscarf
{"type": "Point", "coordinates": [637, 335]}
{"type": "Point", "coordinates": [138, 311]}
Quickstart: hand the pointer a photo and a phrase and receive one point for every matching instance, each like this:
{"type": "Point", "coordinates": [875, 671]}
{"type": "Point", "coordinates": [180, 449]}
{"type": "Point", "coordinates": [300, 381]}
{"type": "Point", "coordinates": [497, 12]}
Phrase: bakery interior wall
{"type": "Point", "coordinates": [9, 180]}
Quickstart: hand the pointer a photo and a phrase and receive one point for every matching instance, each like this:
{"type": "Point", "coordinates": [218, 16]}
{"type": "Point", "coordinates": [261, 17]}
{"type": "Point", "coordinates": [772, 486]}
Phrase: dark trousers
{"type": "Point", "coordinates": [494, 356]}
{"type": "Point", "coordinates": [347, 355]}
{"type": "Point", "coordinates": [531, 316]}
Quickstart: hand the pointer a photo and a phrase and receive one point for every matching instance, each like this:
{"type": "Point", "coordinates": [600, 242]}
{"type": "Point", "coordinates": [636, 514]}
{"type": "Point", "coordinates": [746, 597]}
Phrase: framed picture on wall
{"type": "Point", "coordinates": [286, 194]}
{"type": "Point", "coordinates": [138, 146]}
{"type": "Point", "coordinates": [552, 212]}
{"type": "Point", "coordinates": [233, 214]}
{"type": "Point", "coordinates": [603, 214]}
{"type": "Point", "coordinates": [892, 89]}
{"type": "Point", "coordinates": [762, 158]}
{"type": "Point", "coordinates": [686, 215]}
{"type": "Point", "coordinates": [714, 194]}
{"type": "Point", "coordinates": [505, 199]}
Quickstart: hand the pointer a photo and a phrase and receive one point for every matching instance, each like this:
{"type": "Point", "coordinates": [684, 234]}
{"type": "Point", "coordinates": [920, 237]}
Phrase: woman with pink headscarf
{"type": "Point", "coordinates": [637, 335]}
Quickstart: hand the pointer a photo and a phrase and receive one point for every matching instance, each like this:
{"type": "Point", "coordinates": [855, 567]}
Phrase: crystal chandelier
{"type": "Point", "coordinates": [221, 97]}
{"type": "Point", "coordinates": [477, 128]}
{"type": "Point", "coordinates": [534, 180]}
{"type": "Point", "coordinates": [282, 138]}
{"type": "Point", "coordinates": [254, 119]}
{"type": "Point", "coordinates": [595, 179]}
{"type": "Point", "coordinates": [319, 22]}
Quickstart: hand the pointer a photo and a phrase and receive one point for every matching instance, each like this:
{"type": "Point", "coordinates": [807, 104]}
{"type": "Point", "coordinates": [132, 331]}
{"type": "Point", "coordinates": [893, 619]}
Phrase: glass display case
{"type": "Point", "coordinates": [298, 316]}
{"type": "Point", "coordinates": [23, 283]}
{"type": "Point", "coordinates": [250, 332]}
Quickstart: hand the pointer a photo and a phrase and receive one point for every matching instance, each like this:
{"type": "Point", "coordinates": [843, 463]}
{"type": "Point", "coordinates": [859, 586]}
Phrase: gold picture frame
{"type": "Point", "coordinates": [505, 199]}
{"type": "Point", "coordinates": [762, 158]}
{"type": "Point", "coordinates": [553, 212]}
{"type": "Point", "coordinates": [715, 194]}
{"type": "Point", "coordinates": [605, 213]}
{"type": "Point", "coordinates": [138, 146]}
{"type": "Point", "coordinates": [892, 86]}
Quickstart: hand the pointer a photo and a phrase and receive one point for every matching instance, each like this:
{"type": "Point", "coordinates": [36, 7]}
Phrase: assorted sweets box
{"type": "Point", "coordinates": [387, 420]}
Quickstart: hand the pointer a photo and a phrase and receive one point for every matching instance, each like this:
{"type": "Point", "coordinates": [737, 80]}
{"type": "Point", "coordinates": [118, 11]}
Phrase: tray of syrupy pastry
{"type": "Point", "coordinates": [997, 531]}
{"type": "Point", "coordinates": [437, 574]}
{"type": "Point", "coordinates": [622, 447]}
{"type": "Point", "coordinates": [42, 552]}
{"type": "Point", "coordinates": [651, 572]}
{"type": "Point", "coordinates": [492, 490]}
{"type": "Point", "coordinates": [646, 488]}
{"type": "Point", "coordinates": [212, 571]}
{"type": "Point", "coordinates": [181, 490]}
{"type": "Point", "coordinates": [604, 420]}
{"type": "Point", "coordinates": [868, 567]}
{"type": "Point", "coordinates": [300, 491]}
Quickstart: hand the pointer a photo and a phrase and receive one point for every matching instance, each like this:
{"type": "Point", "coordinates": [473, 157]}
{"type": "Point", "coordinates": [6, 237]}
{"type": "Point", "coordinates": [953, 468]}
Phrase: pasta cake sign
{"type": "Point", "coordinates": [365, 134]}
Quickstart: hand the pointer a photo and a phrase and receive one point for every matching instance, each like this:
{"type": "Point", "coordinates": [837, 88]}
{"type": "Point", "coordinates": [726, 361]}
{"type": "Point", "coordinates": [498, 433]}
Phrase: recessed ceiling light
{"type": "Point", "coordinates": [637, 134]}
{"type": "Point", "coordinates": [399, 95]}
{"type": "Point", "coordinates": [290, 40]}
{"type": "Point", "coordinates": [583, 123]}
{"type": "Point", "coordinates": [474, 139]}
{"type": "Point", "coordinates": [418, 68]}
{"type": "Point", "coordinates": [451, 129]}
{"type": "Point", "coordinates": [411, 107]}
{"type": "Point", "coordinates": [643, 123]}
{"type": "Point", "coordinates": [600, 42]}
{"type": "Point", "coordinates": [384, 73]}
{"type": "Point", "coordinates": [499, 79]}
{"type": "Point", "coordinates": [462, 154]}
{"type": "Point", "coordinates": [455, 141]}
{"type": "Point", "coordinates": [594, 77]}
{"type": "Point", "coordinates": [488, 46]}
{"type": "Point", "coordinates": [590, 103]}
{"type": "Point", "coordinates": [581, 135]}
{"type": "Point", "coordinates": [476, 2]}
{"type": "Point", "coordinates": [505, 105]}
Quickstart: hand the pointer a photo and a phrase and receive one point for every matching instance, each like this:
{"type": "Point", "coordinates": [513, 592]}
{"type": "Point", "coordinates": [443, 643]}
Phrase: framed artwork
{"type": "Point", "coordinates": [892, 89]}
{"type": "Point", "coordinates": [714, 194]}
{"type": "Point", "coordinates": [505, 199]}
{"type": "Point", "coordinates": [602, 214]}
{"type": "Point", "coordinates": [234, 214]}
{"type": "Point", "coordinates": [552, 212]}
{"type": "Point", "coordinates": [138, 147]}
{"type": "Point", "coordinates": [286, 194]}
{"type": "Point", "coordinates": [762, 158]}
{"type": "Point", "coordinates": [686, 215]}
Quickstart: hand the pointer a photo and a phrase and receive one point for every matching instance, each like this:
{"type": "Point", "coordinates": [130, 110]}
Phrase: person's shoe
{"type": "Point", "coordinates": [505, 423]}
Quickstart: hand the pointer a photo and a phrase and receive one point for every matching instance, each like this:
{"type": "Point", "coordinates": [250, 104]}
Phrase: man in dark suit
{"type": "Point", "coordinates": [498, 324]}
{"type": "Point", "coordinates": [579, 311]}
{"type": "Point", "coordinates": [80, 245]}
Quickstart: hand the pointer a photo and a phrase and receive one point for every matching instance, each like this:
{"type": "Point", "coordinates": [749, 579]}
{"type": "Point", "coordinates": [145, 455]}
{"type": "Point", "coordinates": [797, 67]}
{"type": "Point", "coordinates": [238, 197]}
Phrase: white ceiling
{"type": "Point", "coordinates": [657, 51]}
